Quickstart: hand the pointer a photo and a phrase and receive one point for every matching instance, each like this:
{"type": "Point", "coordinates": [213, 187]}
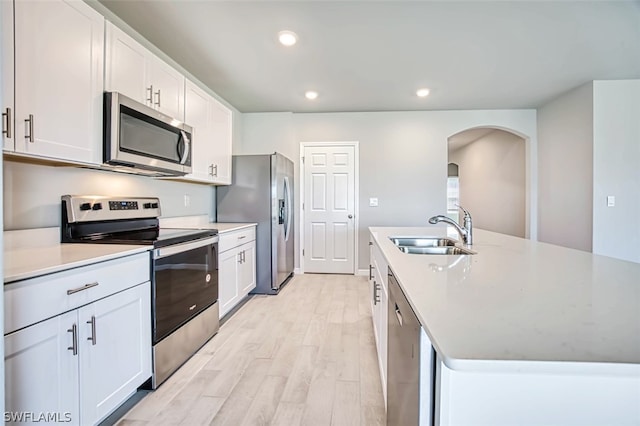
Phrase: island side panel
{"type": "Point", "coordinates": [528, 399]}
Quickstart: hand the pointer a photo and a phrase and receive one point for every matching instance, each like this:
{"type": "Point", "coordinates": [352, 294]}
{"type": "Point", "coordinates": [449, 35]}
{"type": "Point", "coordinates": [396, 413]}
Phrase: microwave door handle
{"type": "Point", "coordinates": [187, 143]}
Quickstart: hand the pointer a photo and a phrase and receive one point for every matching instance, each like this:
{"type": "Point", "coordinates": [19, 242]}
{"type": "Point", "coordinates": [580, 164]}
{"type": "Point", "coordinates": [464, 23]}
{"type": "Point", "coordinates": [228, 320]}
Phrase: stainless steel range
{"type": "Point", "coordinates": [184, 308]}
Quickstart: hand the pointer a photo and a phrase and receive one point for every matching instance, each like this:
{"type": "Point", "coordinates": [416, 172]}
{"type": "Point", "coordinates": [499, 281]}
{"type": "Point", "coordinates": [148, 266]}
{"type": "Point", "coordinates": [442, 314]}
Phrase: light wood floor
{"type": "Point", "coordinates": [304, 357]}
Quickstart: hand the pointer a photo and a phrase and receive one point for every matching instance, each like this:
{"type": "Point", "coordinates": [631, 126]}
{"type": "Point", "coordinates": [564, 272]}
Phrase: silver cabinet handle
{"type": "Point", "coordinates": [210, 169]}
{"type": "Point", "coordinates": [240, 257]}
{"type": "Point", "coordinates": [376, 293]}
{"type": "Point", "coordinates": [242, 237]}
{"type": "Point", "coordinates": [244, 256]}
{"type": "Point", "coordinates": [158, 97]}
{"type": "Point", "coordinates": [215, 170]}
{"type": "Point", "coordinates": [29, 121]}
{"type": "Point", "coordinates": [150, 98]}
{"type": "Point", "coordinates": [370, 272]}
{"type": "Point", "coordinates": [92, 321]}
{"type": "Point", "coordinates": [6, 115]}
{"type": "Point", "coordinates": [84, 287]}
{"type": "Point", "coordinates": [74, 339]}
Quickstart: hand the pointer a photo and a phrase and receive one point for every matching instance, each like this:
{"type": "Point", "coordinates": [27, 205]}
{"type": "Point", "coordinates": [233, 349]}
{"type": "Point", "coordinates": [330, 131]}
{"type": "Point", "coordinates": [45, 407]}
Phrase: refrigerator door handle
{"type": "Point", "coordinates": [287, 194]}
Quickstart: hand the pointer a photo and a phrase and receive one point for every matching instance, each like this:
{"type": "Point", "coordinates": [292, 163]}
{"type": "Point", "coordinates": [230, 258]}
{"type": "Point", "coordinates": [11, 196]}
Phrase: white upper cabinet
{"type": "Point", "coordinates": [212, 124]}
{"type": "Point", "coordinates": [59, 51]}
{"type": "Point", "coordinates": [6, 75]}
{"type": "Point", "coordinates": [134, 71]}
{"type": "Point", "coordinates": [222, 137]}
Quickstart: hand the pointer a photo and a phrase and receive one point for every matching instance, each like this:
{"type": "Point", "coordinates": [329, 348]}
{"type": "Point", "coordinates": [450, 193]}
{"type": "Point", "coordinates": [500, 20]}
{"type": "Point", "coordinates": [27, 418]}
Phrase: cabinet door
{"type": "Point", "coordinates": [41, 373]}
{"type": "Point", "coordinates": [247, 268]}
{"type": "Point", "coordinates": [168, 88]}
{"type": "Point", "coordinates": [115, 345]}
{"type": "Point", "coordinates": [6, 75]}
{"type": "Point", "coordinates": [197, 114]}
{"type": "Point", "coordinates": [59, 50]}
{"type": "Point", "coordinates": [228, 295]}
{"type": "Point", "coordinates": [222, 132]}
{"type": "Point", "coordinates": [126, 66]}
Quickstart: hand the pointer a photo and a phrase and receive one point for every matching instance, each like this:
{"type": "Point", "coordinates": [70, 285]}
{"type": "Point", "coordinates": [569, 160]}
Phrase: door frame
{"type": "Point", "coordinates": [356, 196]}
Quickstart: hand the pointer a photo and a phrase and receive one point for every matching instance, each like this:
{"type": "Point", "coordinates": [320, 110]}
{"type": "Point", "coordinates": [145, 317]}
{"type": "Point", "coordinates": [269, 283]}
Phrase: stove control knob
{"type": "Point", "coordinates": [97, 206]}
{"type": "Point", "coordinates": [85, 206]}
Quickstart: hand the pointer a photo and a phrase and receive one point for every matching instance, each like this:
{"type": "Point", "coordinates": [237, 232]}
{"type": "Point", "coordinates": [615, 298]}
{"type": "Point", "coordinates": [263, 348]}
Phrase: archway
{"type": "Point", "coordinates": [492, 178]}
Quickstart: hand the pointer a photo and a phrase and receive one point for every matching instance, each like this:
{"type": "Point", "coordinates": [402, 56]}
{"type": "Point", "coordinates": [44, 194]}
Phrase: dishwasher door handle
{"type": "Point", "coordinates": [398, 315]}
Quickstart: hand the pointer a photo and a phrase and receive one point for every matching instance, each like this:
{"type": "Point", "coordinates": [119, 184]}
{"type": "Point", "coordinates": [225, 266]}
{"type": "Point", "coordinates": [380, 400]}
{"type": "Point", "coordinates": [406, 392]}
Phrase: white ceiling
{"type": "Point", "coordinates": [374, 55]}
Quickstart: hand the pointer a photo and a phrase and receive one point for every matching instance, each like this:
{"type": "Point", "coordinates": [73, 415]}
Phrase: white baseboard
{"type": "Point", "coordinates": [297, 271]}
{"type": "Point", "coordinates": [364, 272]}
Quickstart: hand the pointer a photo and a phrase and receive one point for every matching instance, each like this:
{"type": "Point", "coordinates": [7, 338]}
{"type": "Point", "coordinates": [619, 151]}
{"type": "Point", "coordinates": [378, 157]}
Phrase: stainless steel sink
{"type": "Point", "coordinates": [429, 245]}
{"type": "Point", "coordinates": [423, 241]}
{"type": "Point", "coordinates": [435, 250]}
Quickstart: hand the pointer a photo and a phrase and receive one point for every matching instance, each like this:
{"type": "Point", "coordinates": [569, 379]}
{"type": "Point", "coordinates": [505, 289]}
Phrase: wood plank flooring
{"type": "Point", "coordinates": [304, 357]}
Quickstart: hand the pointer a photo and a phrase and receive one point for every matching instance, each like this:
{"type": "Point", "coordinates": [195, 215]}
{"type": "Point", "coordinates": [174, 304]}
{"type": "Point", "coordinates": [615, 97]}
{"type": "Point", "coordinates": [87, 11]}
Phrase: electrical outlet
{"type": "Point", "coordinates": [373, 202]}
{"type": "Point", "coordinates": [187, 200]}
{"type": "Point", "coordinates": [611, 201]}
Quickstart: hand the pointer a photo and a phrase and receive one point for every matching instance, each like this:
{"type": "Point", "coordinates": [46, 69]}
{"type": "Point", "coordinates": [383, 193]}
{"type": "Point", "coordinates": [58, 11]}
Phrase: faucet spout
{"type": "Point", "coordinates": [466, 231]}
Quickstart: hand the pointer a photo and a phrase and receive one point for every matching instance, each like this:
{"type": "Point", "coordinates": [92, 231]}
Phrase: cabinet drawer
{"type": "Point", "coordinates": [30, 301]}
{"type": "Point", "coordinates": [229, 240]}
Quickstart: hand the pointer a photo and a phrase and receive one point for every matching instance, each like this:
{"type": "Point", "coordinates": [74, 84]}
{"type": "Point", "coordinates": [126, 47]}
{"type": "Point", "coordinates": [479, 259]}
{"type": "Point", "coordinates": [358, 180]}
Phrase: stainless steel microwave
{"type": "Point", "coordinates": [140, 139]}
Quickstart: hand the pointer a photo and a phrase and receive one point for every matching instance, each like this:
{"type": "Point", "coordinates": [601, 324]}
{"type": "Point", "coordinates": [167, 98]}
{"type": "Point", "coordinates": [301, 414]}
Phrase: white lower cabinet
{"type": "Point", "coordinates": [78, 366]}
{"type": "Point", "coordinates": [41, 374]}
{"type": "Point", "coordinates": [378, 270]}
{"type": "Point", "coordinates": [114, 355]}
{"type": "Point", "coordinates": [236, 267]}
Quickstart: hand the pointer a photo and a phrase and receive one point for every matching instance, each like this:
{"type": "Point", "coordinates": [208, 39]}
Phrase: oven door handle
{"type": "Point", "coordinates": [181, 248]}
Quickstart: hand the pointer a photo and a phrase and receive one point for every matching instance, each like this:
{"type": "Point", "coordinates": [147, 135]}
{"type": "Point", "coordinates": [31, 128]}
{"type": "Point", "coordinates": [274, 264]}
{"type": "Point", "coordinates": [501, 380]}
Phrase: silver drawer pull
{"type": "Point", "coordinates": [84, 287]}
{"type": "Point", "coordinates": [244, 236]}
{"type": "Point", "coordinates": [192, 307]}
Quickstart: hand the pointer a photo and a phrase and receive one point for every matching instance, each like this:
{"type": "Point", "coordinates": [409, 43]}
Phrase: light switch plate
{"type": "Point", "coordinates": [611, 201]}
{"type": "Point", "coordinates": [373, 202]}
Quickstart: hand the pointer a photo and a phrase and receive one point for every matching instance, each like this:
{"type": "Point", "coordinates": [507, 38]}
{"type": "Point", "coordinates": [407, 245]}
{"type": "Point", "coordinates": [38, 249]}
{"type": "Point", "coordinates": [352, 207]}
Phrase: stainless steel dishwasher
{"type": "Point", "coordinates": [403, 369]}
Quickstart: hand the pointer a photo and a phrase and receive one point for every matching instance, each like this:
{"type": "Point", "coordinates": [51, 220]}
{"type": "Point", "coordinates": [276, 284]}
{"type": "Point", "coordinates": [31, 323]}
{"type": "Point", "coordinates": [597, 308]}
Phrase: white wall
{"type": "Point", "coordinates": [403, 156]}
{"type": "Point", "coordinates": [32, 192]}
{"type": "Point", "coordinates": [616, 168]}
{"type": "Point", "coordinates": [565, 162]}
{"type": "Point", "coordinates": [493, 182]}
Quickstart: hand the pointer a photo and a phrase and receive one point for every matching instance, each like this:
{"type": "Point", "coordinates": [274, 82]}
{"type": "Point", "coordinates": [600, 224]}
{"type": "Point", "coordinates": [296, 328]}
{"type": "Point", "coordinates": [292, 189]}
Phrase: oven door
{"type": "Point", "coordinates": [185, 283]}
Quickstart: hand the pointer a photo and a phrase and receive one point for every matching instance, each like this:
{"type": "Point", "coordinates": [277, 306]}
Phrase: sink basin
{"type": "Point", "coordinates": [429, 245]}
{"type": "Point", "coordinates": [423, 241]}
{"type": "Point", "coordinates": [435, 250]}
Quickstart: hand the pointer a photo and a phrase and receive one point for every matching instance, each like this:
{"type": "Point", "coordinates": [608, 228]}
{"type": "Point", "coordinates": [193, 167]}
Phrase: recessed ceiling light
{"type": "Point", "coordinates": [311, 95]}
{"type": "Point", "coordinates": [287, 38]}
{"type": "Point", "coordinates": [423, 93]}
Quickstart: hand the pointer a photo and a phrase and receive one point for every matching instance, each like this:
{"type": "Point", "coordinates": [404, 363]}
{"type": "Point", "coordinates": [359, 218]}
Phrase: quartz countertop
{"type": "Point", "coordinates": [202, 222]}
{"type": "Point", "coordinates": [34, 252]}
{"type": "Point", "coordinates": [525, 305]}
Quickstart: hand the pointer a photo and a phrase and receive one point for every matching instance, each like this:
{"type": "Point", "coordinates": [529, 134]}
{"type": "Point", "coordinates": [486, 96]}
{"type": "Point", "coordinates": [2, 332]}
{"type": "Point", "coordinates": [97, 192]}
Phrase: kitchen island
{"type": "Point", "coordinates": [524, 332]}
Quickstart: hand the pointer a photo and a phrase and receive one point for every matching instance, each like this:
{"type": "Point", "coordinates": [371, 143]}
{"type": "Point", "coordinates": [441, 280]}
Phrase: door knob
{"type": "Point", "coordinates": [350, 216]}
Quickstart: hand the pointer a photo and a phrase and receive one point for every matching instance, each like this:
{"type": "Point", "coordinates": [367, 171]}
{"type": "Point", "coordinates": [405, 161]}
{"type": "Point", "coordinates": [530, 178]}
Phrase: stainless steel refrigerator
{"type": "Point", "coordinates": [262, 192]}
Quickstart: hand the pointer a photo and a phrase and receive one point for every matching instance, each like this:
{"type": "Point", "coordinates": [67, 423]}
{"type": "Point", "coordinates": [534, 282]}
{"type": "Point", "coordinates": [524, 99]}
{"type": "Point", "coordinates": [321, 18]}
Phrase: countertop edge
{"type": "Point", "coordinates": [12, 279]}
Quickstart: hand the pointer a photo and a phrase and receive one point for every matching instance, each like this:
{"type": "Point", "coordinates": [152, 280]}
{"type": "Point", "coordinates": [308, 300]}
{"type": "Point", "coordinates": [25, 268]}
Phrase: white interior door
{"type": "Point", "coordinates": [329, 209]}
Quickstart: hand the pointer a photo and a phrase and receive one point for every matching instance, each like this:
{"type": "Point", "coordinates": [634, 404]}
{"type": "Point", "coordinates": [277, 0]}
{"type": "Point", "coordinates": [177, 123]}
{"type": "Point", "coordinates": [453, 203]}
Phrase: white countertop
{"type": "Point", "coordinates": [34, 252]}
{"type": "Point", "coordinates": [202, 222]}
{"type": "Point", "coordinates": [531, 306]}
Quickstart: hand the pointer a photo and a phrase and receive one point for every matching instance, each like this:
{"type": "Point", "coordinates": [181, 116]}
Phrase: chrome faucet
{"type": "Point", "coordinates": [466, 231]}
